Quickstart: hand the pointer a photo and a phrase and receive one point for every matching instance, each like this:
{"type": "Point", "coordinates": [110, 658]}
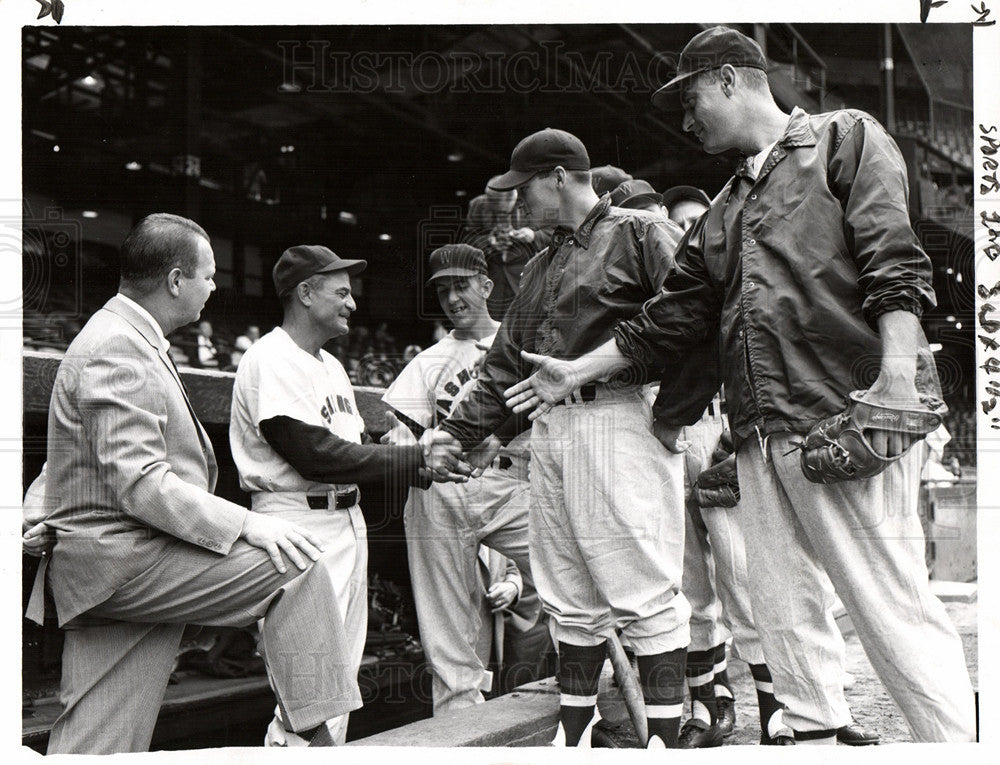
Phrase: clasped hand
{"type": "Point", "coordinates": [445, 459]}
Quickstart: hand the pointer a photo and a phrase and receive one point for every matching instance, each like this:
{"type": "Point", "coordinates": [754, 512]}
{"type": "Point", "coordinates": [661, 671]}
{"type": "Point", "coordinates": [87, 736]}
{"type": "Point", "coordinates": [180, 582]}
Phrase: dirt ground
{"type": "Point", "coordinates": [869, 701]}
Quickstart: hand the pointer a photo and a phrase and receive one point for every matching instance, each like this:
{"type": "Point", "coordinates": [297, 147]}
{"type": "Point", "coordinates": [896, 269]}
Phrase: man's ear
{"type": "Point", "coordinates": [174, 281]}
{"type": "Point", "coordinates": [560, 174]}
{"type": "Point", "coordinates": [487, 287]}
{"type": "Point", "coordinates": [304, 292]}
{"type": "Point", "coordinates": [728, 76]}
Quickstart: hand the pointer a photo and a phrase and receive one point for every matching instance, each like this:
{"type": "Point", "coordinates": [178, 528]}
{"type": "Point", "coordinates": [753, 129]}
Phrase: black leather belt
{"type": "Point", "coordinates": [584, 394]}
{"type": "Point", "coordinates": [345, 501]}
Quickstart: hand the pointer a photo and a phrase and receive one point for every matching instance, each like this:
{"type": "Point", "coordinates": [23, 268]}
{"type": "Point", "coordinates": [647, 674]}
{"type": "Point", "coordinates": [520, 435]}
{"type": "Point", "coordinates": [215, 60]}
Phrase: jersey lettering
{"type": "Point", "coordinates": [331, 405]}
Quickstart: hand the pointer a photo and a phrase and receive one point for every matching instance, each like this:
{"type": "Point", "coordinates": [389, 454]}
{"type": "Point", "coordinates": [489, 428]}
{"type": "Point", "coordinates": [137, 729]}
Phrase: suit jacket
{"type": "Point", "coordinates": [130, 470]}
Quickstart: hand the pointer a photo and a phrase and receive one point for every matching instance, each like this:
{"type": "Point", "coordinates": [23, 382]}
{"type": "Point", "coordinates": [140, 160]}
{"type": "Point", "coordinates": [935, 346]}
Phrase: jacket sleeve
{"type": "Point", "coordinates": [681, 312]}
{"type": "Point", "coordinates": [868, 175]}
{"type": "Point", "coordinates": [125, 417]}
{"type": "Point", "coordinates": [690, 381]}
{"type": "Point", "coordinates": [484, 410]}
{"type": "Point", "coordinates": [319, 455]}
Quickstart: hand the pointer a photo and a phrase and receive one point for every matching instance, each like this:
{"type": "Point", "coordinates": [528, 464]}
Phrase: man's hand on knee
{"type": "Point", "coordinates": [276, 535]}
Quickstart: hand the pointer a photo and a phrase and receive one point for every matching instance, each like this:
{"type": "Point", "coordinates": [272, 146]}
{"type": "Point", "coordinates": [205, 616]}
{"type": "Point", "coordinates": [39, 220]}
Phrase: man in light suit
{"type": "Point", "coordinates": [143, 547]}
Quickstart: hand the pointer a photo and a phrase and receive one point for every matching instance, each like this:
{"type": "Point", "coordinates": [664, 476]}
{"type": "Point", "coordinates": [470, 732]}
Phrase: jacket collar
{"type": "Point", "coordinates": [140, 319]}
{"type": "Point", "coordinates": [582, 235]}
{"type": "Point", "coordinates": [798, 133]}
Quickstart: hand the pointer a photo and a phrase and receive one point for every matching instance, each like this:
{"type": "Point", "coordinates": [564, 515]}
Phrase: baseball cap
{"type": "Point", "coordinates": [709, 50]}
{"type": "Point", "coordinates": [630, 193]}
{"type": "Point", "coordinates": [677, 193]}
{"type": "Point", "coordinates": [606, 178]}
{"type": "Point", "coordinates": [298, 263]}
{"type": "Point", "coordinates": [539, 152]}
{"type": "Point", "coordinates": [457, 260]}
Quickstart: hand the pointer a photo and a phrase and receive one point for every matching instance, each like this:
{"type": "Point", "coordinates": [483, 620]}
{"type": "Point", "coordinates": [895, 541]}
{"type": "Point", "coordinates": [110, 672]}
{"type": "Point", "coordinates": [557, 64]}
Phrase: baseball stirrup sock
{"type": "Point", "coordinates": [579, 673]}
{"type": "Point", "coordinates": [823, 737]}
{"type": "Point", "coordinates": [767, 704]}
{"type": "Point", "coordinates": [700, 675]}
{"type": "Point", "coordinates": [662, 678]}
{"type": "Point", "coordinates": [722, 685]}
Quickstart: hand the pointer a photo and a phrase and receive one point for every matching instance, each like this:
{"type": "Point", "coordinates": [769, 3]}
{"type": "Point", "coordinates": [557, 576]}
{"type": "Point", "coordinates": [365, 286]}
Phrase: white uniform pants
{"type": "Point", "coordinates": [445, 525]}
{"type": "Point", "coordinates": [344, 536]}
{"type": "Point", "coordinates": [607, 524]}
{"type": "Point", "coordinates": [866, 535]}
{"type": "Point", "coordinates": [715, 562]}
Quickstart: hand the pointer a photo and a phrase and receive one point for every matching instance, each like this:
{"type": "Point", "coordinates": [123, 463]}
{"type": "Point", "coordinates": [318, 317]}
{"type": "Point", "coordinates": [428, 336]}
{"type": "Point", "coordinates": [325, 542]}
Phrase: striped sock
{"type": "Point", "coordinates": [767, 704]}
{"type": "Point", "coordinates": [700, 675]}
{"type": "Point", "coordinates": [662, 678]}
{"type": "Point", "coordinates": [722, 685]}
{"type": "Point", "coordinates": [822, 737]}
{"type": "Point", "coordinates": [579, 673]}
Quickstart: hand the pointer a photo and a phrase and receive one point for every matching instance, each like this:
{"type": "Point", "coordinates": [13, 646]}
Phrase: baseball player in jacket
{"type": "Point", "coordinates": [807, 263]}
{"type": "Point", "coordinates": [606, 547]}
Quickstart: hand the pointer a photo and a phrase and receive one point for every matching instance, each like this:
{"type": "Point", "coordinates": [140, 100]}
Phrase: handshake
{"type": "Point", "coordinates": [445, 460]}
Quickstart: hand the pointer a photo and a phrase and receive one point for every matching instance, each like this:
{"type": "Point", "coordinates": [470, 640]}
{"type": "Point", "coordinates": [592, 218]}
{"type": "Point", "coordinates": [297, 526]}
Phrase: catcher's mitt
{"type": "Point", "coordinates": [719, 485]}
{"type": "Point", "coordinates": [838, 449]}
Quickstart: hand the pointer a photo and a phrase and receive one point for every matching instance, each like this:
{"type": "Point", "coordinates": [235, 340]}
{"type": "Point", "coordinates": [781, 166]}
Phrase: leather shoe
{"type": "Point", "coordinates": [726, 714]}
{"type": "Point", "coordinates": [602, 736]}
{"type": "Point", "coordinates": [697, 734]}
{"type": "Point", "coordinates": [322, 737]}
{"type": "Point", "coordinates": [855, 735]}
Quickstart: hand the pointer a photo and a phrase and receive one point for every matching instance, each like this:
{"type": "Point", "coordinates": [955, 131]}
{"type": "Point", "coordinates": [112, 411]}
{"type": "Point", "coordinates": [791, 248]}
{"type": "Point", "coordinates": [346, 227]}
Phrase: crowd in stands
{"type": "Point", "coordinates": [373, 357]}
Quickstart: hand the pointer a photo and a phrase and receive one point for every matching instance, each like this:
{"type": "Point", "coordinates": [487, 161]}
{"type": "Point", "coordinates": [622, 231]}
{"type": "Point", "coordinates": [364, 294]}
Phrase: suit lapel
{"type": "Point", "coordinates": [149, 333]}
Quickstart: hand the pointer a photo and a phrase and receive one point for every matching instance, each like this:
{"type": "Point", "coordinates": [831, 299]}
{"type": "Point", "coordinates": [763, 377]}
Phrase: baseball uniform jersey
{"type": "Point", "coordinates": [446, 523]}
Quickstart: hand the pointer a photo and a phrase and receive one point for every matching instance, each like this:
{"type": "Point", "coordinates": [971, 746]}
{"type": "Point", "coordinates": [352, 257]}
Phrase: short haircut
{"type": "Point", "coordinates": [157, 244]}
{"type": "Point", "coordinates": [577, 176]}
{"type": "Point", "coordinates": [755, 79]}
{"type": "Point", "coordinates": [314, 282]}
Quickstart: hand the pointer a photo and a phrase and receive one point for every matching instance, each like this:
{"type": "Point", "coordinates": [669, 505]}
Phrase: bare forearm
{"type": "Point", "coordinates": [901, 338]}
{"type": "Point", "coordinates": [599, 363]}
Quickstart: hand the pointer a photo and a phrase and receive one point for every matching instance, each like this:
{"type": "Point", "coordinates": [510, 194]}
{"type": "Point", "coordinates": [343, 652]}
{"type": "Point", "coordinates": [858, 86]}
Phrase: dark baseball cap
{"type": "Point", "coordinates": [675, 194]}
{"type": "Point", "coordinates": [540, 152]}
{"type": "Point", "coordinates": [710, 50]}
{"type": "Point", "coordinates": [633, 193]}
{"type": "Point", "coordinates": [607, 178]}
{"type": "Point", "coordinates": [298, 263]}
{"type": "Point", "coordinates": [457, 260]}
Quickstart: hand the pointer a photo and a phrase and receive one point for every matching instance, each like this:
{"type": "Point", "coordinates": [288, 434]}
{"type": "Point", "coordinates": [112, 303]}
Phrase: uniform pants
{"type": "Point", "coordinates": [715, 564]}
{"type": "Point", "coordinates": [607, 524]}
{"type": "Point", "coordinates": [117, 657]}
{"type": "Point", "coordinates": [445, 525]}
{"type": "Point", "coordinates": [867, 536]}
{"type": "Point", "coordinates": [345, 538]}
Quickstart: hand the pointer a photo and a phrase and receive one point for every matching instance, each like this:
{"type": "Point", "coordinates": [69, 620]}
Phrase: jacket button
{"type": "Point", "coordinates": [753, 242]}
{"type": "Point", "coordinates": [751, 284]}
{"type": "Point", "coordinates": [753, 196]}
